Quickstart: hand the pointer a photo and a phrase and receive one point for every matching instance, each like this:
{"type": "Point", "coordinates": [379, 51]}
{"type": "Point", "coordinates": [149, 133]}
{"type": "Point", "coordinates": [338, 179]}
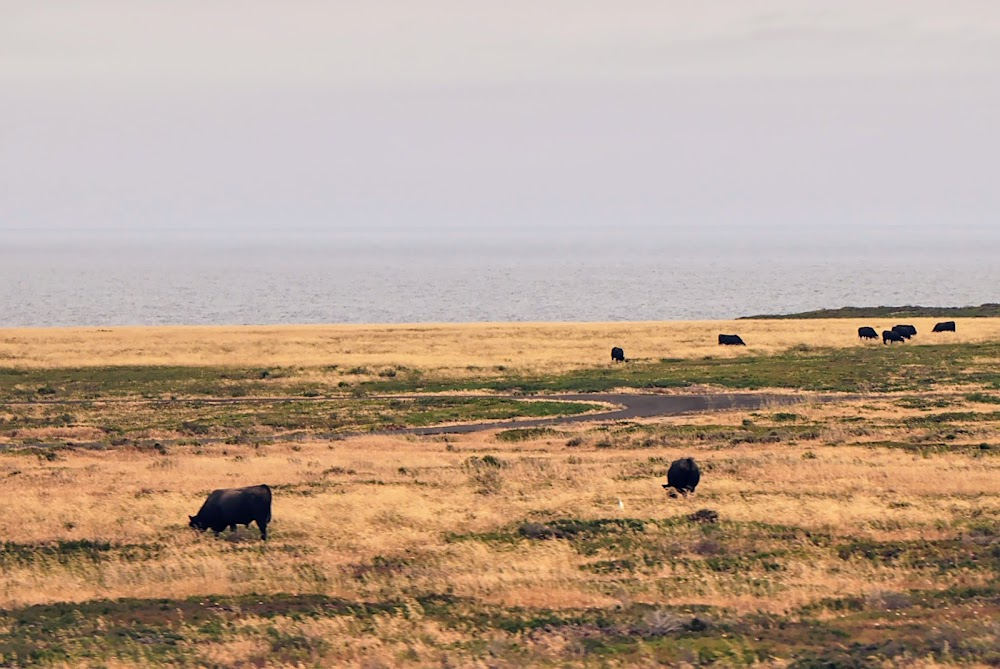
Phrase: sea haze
{"type": "Point", "coordinates": [112, 278]}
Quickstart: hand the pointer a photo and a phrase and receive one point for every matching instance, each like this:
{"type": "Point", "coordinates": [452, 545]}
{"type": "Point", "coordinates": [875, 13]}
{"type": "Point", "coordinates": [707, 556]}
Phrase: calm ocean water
{"type": "Point", "coordinates": [110, 279]}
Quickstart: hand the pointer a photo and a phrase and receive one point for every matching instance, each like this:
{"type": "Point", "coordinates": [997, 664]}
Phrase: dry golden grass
{"type": "Point", "coordinates": [547, 347]}
{"type": "Point", "coordinates": [380, 518]}
{"type": "Point", "coordinates": [340, 505]}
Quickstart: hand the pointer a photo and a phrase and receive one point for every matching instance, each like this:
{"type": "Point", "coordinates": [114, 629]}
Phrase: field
{"type": "Point", "coordinates": [857, 527]}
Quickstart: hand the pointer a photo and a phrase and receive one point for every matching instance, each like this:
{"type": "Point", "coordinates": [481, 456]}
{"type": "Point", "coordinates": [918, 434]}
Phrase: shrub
{"type": "Point", "coordinates": [485, 473]}
{"type": "Point", "coordinates": [887, 600]}
{"type": "Point", "coordinates": [537, 531]}
{"type": "Point", "coordinates": [661, 623]}
{"type": "Point", "coordinates": [704, 516]}
{"type": "Point", "coordinates": [48, 455]}
{"type": "Point", "coordinates": [493, 461]}
{"type": "Point", "coordinates": [193, 427]}
{"type": "Point", "coordinates": [525, 433]}
{"type": "Point", "coordinates": [708, 547]}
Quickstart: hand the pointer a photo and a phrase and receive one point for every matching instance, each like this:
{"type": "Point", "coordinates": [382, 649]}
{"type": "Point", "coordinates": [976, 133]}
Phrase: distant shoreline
{"type": "Point", "coordinates": [987, 310]}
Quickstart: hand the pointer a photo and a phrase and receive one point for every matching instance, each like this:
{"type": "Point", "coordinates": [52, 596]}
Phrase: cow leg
{"type": "Point", "coordinates": [263, 530]}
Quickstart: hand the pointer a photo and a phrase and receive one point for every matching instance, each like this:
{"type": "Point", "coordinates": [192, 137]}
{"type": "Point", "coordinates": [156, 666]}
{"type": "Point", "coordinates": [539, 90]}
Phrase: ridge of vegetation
{"type": "Point", "coordinates": [286, 630]}
{"type": "Point", "coordinates": [856, 369]}
{"type": "Point", "coordinates": [987, 310]}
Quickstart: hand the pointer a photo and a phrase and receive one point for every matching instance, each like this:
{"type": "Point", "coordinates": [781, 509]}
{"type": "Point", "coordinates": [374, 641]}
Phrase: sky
{"type": "Point", "coordinates": [811, 118]}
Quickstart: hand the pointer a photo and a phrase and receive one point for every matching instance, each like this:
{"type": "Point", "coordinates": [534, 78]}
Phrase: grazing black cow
{"type": "Point", "coordinates": [617, 355]}
{"type": "Point", "coordinates": [730, 340]}
{"type": "Point", "coordinates": [947, 326]}
{"type": "Point", "coordinates": [892, 335]}
{"type": "Point", "coordinates": [867, 333]}
{"type": "Point", "coordinates": [902, 330]}
{"type": "Point", "coordinates": [230, 507]}
{"type": "Point", "coordinates": [683, 476]}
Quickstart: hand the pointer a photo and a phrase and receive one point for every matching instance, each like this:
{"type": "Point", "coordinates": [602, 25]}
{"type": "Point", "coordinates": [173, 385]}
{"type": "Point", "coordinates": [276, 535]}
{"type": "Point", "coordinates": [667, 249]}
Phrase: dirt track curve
{"type": "Point", "coordinates": [632, 406]}
{"type": "Point", "coordinates": [628, 406]}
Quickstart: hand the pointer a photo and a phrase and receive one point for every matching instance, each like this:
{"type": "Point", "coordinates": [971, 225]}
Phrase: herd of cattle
{"type": "Point", "coordinates": [229, 507]}
{"type": "Point", "coordinates": [899, 333]}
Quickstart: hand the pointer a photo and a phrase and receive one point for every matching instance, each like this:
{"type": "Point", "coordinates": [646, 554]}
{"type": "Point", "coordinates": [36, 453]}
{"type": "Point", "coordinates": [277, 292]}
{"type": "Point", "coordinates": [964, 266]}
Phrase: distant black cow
{"type": "Point", "coordinates": [730, 340]}
{"type": "Point", "coordinates": [902, 331]}
{"type": "Point", "coordinates": [683, 476]}
{"type": "Point", "coordinates": [892, 335]}
{"type": "Point", "coordinates": [230, 507]}
{"type": "Point", "coordinates": [947, 326]}
{"type": "Point", "coordinates": [867, 333]}
{"type": "Point", "coordinates": [617, 355]}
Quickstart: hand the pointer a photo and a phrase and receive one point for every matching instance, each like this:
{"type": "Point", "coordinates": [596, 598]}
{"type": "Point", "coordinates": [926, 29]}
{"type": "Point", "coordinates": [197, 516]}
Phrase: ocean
{"type": "Point", "coordinates": [113, 278]}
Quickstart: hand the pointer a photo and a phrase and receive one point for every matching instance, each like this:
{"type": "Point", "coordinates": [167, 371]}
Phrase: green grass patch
{"type": "Point", "coordinates": [527, 434]}
{"type": "Point", "coordinates": [925, 403]}
{"type": "Point", "coordinates": [751, 554]}
{"type": "Point", "coordinates": [927, 448]}
{"type": "Point", "coordinates": [943, 555]}
{"type": "Point", "coordinates": [69, 551]}
{"type": "Point", "coordinates": [854, 369]}
{"type": "Point", "coordinates": [867, 631]}
{"type": "Point", "coordinates": [246, 419]}
{"type": "Point", "coordinates": [983, 398]}
{"type": "Point", "coordinates": [953, 417]}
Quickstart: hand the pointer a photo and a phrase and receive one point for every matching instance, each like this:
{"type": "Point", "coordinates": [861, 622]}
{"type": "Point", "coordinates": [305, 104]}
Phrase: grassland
{"type": "Point", "coordinates": [460, 350]}
{"type": "Point", "coordinates": [857, 532]}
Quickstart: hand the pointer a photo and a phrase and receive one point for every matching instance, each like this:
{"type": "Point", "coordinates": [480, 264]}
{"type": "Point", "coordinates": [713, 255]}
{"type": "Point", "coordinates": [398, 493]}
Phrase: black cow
{"type": "Point", "coordinates": [892, 335]}
{"type": "Point", "coordinates": [617, 355]}
{"type": "Point", "coordinates": [902, 331]}
{"type": "Point", "coordinates": [947, 326]}
{"type": "Point", "coordinates": [230, 507]}
{"type": "Point", "coordinates": [683, 476]}
{"type": "Point", "coordinates": [730, 340]}
{"type": "Point", "coordinates": [867, 333]}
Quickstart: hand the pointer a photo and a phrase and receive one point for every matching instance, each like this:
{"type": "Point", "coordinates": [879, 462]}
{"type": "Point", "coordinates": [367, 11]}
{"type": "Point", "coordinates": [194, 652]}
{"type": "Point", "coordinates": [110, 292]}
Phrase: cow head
{"type": "Point", "coordinates": [196, 523]}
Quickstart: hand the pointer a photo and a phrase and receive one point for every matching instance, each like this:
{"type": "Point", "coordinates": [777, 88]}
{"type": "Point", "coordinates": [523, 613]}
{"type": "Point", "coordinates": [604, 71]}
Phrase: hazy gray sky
{"type": "Point", "coordinates": [730, 115]}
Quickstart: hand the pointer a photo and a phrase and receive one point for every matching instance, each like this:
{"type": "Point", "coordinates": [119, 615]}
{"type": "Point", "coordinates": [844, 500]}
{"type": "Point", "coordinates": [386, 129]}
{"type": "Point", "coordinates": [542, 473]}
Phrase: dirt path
{"type": "Point", "coordinates": [632, 406]}
{"type": "Point", "coordinates": [627, 406]}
